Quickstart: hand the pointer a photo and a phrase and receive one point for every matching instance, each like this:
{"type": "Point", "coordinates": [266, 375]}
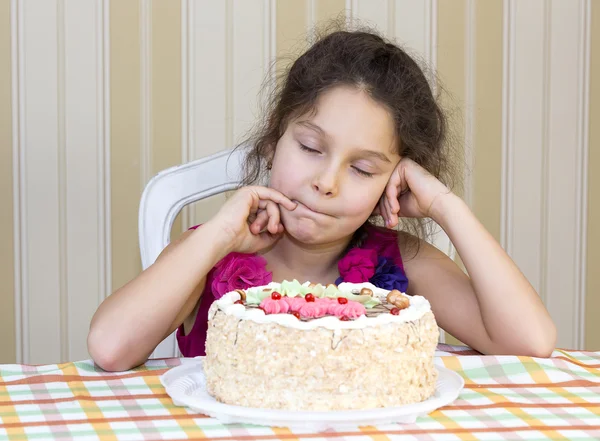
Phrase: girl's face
{"type": "Point", "coordinates": [335, 163]}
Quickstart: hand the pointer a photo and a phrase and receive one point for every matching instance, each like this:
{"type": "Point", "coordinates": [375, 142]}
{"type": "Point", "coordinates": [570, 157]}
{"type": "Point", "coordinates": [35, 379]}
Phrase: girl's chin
{"type": "Point", "coordinates": [305, 232]}
{"type": "Point", "coordinates": [312, 234]}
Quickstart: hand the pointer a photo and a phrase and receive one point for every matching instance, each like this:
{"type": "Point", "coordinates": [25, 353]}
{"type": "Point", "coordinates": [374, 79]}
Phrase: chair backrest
{"type": "Point", "coordinates": [174, 188]}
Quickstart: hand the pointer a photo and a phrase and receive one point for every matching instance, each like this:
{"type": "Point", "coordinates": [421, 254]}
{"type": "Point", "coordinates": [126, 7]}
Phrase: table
{"type": "Point", "coordinates": [505, 398]}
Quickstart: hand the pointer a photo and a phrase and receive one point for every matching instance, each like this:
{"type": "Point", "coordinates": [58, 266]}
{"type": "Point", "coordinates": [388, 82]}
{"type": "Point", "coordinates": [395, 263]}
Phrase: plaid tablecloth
{"type": "Point", "coordinates": [505, 398]}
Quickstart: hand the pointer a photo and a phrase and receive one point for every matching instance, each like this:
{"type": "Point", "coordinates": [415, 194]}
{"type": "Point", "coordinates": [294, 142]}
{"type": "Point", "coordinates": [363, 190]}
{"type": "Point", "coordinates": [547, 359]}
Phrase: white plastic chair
{"type": "Point", "coordinates": [174, 188]}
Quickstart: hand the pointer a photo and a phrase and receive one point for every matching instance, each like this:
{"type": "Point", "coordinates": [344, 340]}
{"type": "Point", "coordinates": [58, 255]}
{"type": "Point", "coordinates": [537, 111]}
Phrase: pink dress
{"type": "Point", "coordinates": [377, 261]}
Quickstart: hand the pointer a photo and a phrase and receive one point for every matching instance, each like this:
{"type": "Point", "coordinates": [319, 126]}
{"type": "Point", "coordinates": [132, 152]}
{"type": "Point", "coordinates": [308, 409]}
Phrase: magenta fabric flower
{"type": "Point", "coordinates": [239, 271]}
{"type": "Point", "coordinates": [358, 265]}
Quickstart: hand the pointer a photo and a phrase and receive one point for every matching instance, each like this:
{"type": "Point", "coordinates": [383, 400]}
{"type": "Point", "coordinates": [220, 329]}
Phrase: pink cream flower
{"type": "Point", "coordinates": [352, 309]}
{"type": "Point", "coordinates": [271, 306]}
{"type": "Point", "coordinates": [295, 303]}
{"type": "Point", "coordinates": [315, 309]}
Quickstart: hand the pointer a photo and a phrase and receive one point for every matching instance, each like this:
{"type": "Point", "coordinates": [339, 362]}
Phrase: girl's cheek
{"type": "Point", "coordinates": [360, 206]}
{"type": "Point", "coordinates": [365, 201]}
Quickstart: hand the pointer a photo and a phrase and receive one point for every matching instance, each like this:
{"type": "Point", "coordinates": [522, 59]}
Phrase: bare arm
{"type": "Point", "coordinates": [494, 309]}
{"type": "Point", "coordinates": [131, 322]}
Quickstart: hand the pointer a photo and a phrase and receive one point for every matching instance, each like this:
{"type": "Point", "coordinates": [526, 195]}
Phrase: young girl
{"type": "Point", "coordinates": [353, 132]}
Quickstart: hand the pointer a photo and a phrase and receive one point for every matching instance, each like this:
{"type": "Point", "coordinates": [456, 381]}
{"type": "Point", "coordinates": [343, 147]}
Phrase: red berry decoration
{"type": "Point", "coordinates": [296, 314]}
{"type": "Point", "coordinates": [309, 298]}
{"type": "Point", "coordinates": [342, 300]}
{"type": "Point", "coordinates": [394, 311]}
{"type": "Point", "coordinates": [276, 296]}
{"type": "Point", "coordinates": [344, 319]}
{"type": "Point", "coordinates": [239, 302]}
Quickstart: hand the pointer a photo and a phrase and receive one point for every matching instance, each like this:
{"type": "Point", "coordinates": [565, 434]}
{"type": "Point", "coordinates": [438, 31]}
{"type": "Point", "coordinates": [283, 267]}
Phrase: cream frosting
{"type": "Point", "coordinates": [418, 307]}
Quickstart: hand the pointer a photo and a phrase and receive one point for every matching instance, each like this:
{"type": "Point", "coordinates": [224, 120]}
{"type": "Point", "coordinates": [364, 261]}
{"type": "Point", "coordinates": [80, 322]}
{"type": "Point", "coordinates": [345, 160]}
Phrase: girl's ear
{"type": "Point", "coordinates": [270, 155]}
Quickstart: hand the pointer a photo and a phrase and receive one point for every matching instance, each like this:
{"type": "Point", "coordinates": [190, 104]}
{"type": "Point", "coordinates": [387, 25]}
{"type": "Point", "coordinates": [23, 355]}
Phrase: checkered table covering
{"type": "Point", "coordinates": [505, 398]}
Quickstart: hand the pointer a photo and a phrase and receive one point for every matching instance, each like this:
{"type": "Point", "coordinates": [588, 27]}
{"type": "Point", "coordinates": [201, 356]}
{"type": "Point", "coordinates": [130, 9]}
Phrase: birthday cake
{"type": "Point", "coordinates": [311, 347]}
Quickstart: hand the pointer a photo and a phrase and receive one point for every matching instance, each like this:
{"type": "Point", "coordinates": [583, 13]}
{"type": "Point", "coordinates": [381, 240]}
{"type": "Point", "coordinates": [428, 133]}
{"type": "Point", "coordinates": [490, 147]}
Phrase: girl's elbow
{"type": "Point", "coordinates": [107, 354]}
{"type": "Point", "coordinates": [544, 345]}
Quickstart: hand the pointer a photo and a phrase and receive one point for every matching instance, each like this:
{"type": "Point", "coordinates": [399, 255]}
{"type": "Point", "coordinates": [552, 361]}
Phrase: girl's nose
{"type": "Point", "coordinates": [326, 183]}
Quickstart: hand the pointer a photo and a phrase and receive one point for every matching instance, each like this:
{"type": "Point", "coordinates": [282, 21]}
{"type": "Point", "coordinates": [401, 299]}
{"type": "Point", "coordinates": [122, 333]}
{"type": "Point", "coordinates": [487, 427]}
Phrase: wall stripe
{"type": "Point", "coordinates": [470, 104]}
{"type": "Point", "coordinates": [166, 89]}
{"type": "Point", "coordinates": [290, 32]}
{"type": "Point", "coordinates": [545, 156]}
{"type": "Point", "coordinates": [84, 143]}
{"type": "Point", "coordinates": [186, 54]}
{"type": "Point", "coordinates": [311, 14]}
{"type": "Point", "coordinates": [146, 65]}
{"type": "Point", "coordinates": [592, 304]}
{"type": "Point", "coordinates": [21, 328]}
{"type": "Point", "coordinates": [7, 187]}
{"type": "Point", "coordinates": [583, 114]}
{"type": "Point", "coordinates": [526, 142]}
{"type": "Point", "coordinates": [568, 109]}
{"type": "Point", "coordinates": [508, 62]}
{"type": "Point", "coordinates": [62, 181]}
{"type": "Point", "coordinates": [372, 13]}
{"type": "Point", "coordinates": [125, 130]}
{"type": "Point", "coordinates": [329, 9]}
{"type": "Point", "coordinates": [229, 68]}
{"type": "Point", "coordinates": [104, 170]}
{"type": "Point", "coordinates": [451, 68]}
{"type": "Point", "coordinates": [209, 98]}
{"type": "Point", "coordinates": [487, 118]}
{"type": "Point", "coordinates": [38, 145]}
{"type": "Point", "coordinates": [270, 41]}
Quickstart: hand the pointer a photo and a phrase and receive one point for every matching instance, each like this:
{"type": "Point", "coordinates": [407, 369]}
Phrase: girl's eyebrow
{"type": "Point", "coordinates": [368, 153]}
{"type": "Point", "coordinates": [377, 155]}
{"type": "Point", "coordinates": [313, 126]}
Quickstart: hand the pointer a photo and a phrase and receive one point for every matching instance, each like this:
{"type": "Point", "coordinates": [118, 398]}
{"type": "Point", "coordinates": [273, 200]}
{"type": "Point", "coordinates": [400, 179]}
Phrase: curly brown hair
{"type": "Point", "coordinates": [362, 59]}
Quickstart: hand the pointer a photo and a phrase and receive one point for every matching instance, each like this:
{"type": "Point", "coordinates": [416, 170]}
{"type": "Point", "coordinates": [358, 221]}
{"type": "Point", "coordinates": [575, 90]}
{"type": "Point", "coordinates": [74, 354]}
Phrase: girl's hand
{"type": "Point", "coordinates": [410, 192]}
{"type": "Point", "coordinates": [250, 219]}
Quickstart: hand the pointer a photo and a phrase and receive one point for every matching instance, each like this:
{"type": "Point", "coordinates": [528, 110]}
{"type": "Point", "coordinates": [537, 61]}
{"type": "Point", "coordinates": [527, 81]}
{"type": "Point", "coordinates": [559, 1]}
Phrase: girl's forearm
{"type": "Point", "coordinates": [134, 319]}
{"type": "Point", "coordinates": [509, 305]}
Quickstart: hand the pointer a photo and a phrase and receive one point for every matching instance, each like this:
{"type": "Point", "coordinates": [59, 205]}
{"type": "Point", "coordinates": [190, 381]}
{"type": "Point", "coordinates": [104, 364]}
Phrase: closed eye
{"type": "Point", "coordinates": [362, 172]}
{"type": "Point", "coordinates": [308, 149]}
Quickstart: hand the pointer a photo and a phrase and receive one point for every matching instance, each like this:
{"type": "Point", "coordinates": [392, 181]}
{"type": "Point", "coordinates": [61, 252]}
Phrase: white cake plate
{"type": "Point", "coordinates": [186, 385]}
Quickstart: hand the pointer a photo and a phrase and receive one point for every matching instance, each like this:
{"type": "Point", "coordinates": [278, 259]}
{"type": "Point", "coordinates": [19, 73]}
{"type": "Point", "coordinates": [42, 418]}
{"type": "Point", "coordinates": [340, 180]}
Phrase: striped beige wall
{"type": "Point", "coordinates": [171, 97]}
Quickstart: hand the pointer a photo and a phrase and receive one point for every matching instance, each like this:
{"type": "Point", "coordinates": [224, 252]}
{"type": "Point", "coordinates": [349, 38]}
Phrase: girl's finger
{"type": "Point", "coordinates": [383, 210]}
{"type": "Point", "coordinates": [390, 213]}
{"type": "Point", "coordinates": [391, 193]}
{"type": "Point", "coordinates": [404, 187]}
{"type": "Point", "coordinates": [273, 213]}
{"type": "Point", "coordinates": [268, 194]}
{"type": "Point", "coordinates": [259, 224]}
